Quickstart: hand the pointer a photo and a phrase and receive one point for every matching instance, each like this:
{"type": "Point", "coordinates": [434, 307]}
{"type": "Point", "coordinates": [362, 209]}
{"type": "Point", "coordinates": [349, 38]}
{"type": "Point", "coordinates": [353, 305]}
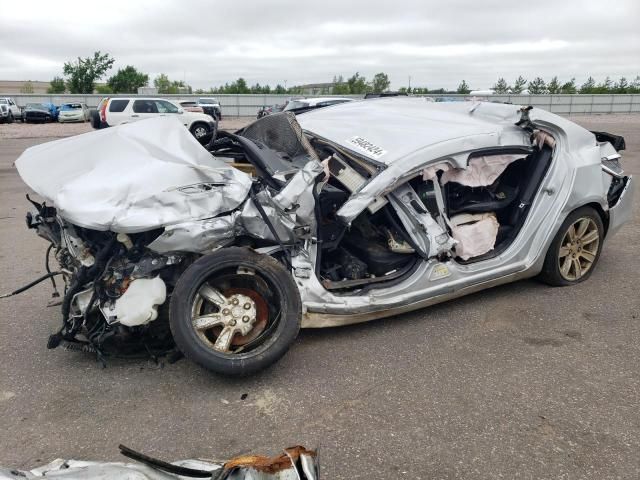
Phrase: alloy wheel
{"type": "Point", "coordinates": [229, 316]}
{"type": "Point", "coordinates": [578, 249]}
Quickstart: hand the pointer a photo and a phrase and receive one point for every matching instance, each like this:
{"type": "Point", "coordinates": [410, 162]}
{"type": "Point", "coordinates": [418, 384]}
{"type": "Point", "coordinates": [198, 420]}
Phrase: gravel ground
{"type": "Point", "coordinates": [59, 130]}
{"type": "Point", "coordinates": [520, 381]}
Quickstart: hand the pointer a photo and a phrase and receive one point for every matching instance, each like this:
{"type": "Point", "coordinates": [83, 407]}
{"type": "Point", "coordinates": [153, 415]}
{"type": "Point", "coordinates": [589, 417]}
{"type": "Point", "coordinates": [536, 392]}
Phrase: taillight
{"type": "Point", "coordinates": [103, 110]}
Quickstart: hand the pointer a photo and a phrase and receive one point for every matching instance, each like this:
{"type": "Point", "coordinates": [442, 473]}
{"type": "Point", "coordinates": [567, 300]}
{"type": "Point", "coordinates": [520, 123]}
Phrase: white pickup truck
{"type": "Point", "coordinates": [116, 111]}
{"type": "Point", "coordinates": [9, 111]}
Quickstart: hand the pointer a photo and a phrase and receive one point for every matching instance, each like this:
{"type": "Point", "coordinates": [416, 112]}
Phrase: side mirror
{"type": "Point", "coordinates": [180, 110]}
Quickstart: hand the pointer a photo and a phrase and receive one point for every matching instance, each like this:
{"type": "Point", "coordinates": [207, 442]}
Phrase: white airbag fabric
{"type": "Point", "coordinates": [481, 171]}
{"type": "Point", "coordinates": [128, 178]}
{"type": "Point", "coordinates": [475, 233]}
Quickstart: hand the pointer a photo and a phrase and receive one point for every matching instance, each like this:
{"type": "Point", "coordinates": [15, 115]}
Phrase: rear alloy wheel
{"type": "Point", "coordinates": [235, 312]}
{"type": "Point", "coordinates": [575, 250]}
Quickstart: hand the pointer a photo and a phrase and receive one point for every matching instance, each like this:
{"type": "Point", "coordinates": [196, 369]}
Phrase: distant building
{"type": "Point", "coordinates": [16, 87]}
{"type": "Point", "coordinates": [20, 87]}
{"type": "Point", "coordinates": [147, 91]}
{"type": "Point", "coordinates": [317, 88]}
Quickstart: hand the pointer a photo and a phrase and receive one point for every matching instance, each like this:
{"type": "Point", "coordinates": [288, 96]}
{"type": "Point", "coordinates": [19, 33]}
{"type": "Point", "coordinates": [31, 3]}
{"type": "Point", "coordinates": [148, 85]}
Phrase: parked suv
{"type": "Point", "coordinates": [211, 106]}
{"type": "Point", "coordinates": [9, 111]}
{"type": "Point", "coordinates": [116, 111]}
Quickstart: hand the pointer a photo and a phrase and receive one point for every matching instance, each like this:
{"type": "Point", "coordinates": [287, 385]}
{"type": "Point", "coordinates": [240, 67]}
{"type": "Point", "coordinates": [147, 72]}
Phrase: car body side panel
{"type": "Point", "coordinates": [622, 212]}
{"type": "Point", "coordinates": [573, 180]}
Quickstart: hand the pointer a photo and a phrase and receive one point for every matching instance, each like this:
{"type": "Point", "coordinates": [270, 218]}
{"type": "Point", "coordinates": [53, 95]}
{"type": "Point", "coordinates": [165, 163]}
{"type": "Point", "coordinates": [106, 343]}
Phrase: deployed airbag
{"type": "Point", "coordinates": [481, 171]}
{"type": "Point", "coordinates": [475, 233]}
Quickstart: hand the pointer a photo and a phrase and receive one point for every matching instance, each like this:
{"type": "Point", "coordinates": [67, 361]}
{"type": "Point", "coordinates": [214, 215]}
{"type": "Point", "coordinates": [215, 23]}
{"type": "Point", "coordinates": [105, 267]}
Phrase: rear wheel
{"type": "Point", "coordinates": [575, 250]}
{"type": "Point", "coordinates": [235, 312]}
{"type": "Point", "coordinates": [10, 118]}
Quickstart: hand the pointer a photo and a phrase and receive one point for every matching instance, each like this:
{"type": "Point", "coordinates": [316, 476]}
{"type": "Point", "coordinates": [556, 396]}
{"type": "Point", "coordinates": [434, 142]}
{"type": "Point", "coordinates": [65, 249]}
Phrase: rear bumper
{"type": "Point", "coordinates": [622, 211]}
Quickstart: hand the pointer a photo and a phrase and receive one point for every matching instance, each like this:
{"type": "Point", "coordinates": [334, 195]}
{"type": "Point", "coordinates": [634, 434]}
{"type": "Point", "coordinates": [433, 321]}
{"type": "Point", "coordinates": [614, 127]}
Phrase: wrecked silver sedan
{"type": "Point", "coordinates": [340, 215]}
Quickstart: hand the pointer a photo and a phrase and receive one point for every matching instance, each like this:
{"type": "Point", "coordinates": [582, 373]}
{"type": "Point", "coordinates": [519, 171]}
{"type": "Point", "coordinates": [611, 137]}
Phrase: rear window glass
{"type": "Point", "coordinates": [3, 101]}
{"type": "Point", "coordinates": [118, 105]}
{"type": "Point", "coordinates": [71, 106]}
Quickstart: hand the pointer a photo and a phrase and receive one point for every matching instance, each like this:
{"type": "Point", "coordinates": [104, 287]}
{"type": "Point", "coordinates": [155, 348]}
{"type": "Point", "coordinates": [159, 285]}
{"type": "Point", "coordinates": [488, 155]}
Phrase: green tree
{"type": "Point", "coordinates": [339, 86]}
{"type": "Point", "coordinates": [56, 85]}
{"type": "Point", "coordinates": [128, 80]}
{"type": "Point", "coordinates": [589, 86]}
{"type": "Point", "coordinates": [621, 86]}
{"type": "Point", "coordinates": [537, 86]}
{"type": "Point", "coordinates": [84, 72]}
{"type": "Point", "coordinates": [103, 89]}
{"type": "Point", "coordinates": [569, 87]}
{"type": "Point", "coordinates": [358, 84]}
{"type": "Point", "coordinates": [519, 84]}
{"type": "Point", "coordinates": [634, 87]}
{"type": "Point", "coordinates": [380, 82]}
{"type": "Point", "coordinates": [604, 87]}
{"type": "Point", "coordinates": [27, 87]}
{"type": "Point", "coordinates": [501, 86]}
{"type": "Point", "coordinates": [463, 88]}
{"type": "Point", "coordinates": [162, 83]}
{"type": "Point", "coordinates": [280, 90]}
{"type": "Point", "coordinates": [554, 87]}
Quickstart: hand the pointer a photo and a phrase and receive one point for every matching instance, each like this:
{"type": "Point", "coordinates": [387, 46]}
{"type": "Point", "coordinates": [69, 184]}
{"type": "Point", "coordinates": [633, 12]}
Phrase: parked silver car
{"type": "Point", "coordinates": [358, 211]}
{"type": "Point", "coordinates": [73, 112]}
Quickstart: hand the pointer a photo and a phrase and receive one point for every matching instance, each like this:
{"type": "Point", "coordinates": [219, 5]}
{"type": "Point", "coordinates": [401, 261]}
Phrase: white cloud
{"type": "Point", "coordinates": [437, 43]}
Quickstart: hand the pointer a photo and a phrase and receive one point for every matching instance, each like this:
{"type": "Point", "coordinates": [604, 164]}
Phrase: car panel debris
{"type": "Point", "coordinates": [431, 202]}
{"type": "Point", "coordinates": [295, 463]}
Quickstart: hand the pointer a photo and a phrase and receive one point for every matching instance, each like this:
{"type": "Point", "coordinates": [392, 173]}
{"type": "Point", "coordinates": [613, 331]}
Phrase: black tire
{"type": "Point", "coordinates": [10, 118]}
{"type": "Point", "coordinates": [95, 119]}
{"type": "Point", "coordinates": [201, 132]}
{"type": "Point", "coordinates": [552, 273]}
{"type": "Point", "coordinates": [279, 296]}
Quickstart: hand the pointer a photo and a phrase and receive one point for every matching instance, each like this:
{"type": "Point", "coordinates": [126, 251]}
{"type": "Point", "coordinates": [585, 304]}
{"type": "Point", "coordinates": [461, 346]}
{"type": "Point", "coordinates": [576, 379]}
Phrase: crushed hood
{"type": "Point", "coordinates": [133, 177]}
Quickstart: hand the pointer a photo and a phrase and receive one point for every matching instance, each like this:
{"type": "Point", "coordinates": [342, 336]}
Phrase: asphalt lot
{"type": "Point", "coordinates": [520, 381]}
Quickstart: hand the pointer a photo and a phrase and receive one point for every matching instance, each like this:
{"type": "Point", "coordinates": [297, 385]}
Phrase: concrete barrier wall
{"type": "Point", "coordinates": [248, 105]}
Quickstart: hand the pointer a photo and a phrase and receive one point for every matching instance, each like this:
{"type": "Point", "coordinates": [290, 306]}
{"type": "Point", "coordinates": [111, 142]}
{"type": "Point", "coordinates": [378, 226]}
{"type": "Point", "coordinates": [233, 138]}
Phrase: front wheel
{"type": "Point", "coordinates": [575, 250]}
{"type": "Point", "coordinates": [235, 312]}
{"type": "Point", "coordinates": [202, 133]}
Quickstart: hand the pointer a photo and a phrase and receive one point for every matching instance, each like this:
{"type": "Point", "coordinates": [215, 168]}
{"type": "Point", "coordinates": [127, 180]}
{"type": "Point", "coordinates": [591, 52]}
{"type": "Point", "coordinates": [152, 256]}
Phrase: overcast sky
{"type": "Point", "coordinates": [437, 43]}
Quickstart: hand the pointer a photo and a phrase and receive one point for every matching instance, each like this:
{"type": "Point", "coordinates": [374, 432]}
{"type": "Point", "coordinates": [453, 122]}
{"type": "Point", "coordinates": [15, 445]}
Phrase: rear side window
{"type": "Point", "coordinates": [145, 106]}
{"type": "Point", "coordinates": [166, 107]}
{"type": "Point", "coordinates": [118, 105]}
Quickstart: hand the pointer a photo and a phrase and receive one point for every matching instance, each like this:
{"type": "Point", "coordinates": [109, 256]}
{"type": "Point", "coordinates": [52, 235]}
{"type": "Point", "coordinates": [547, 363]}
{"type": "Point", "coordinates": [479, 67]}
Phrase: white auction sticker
{"type": "Point", "coordinates": [366, 146]}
